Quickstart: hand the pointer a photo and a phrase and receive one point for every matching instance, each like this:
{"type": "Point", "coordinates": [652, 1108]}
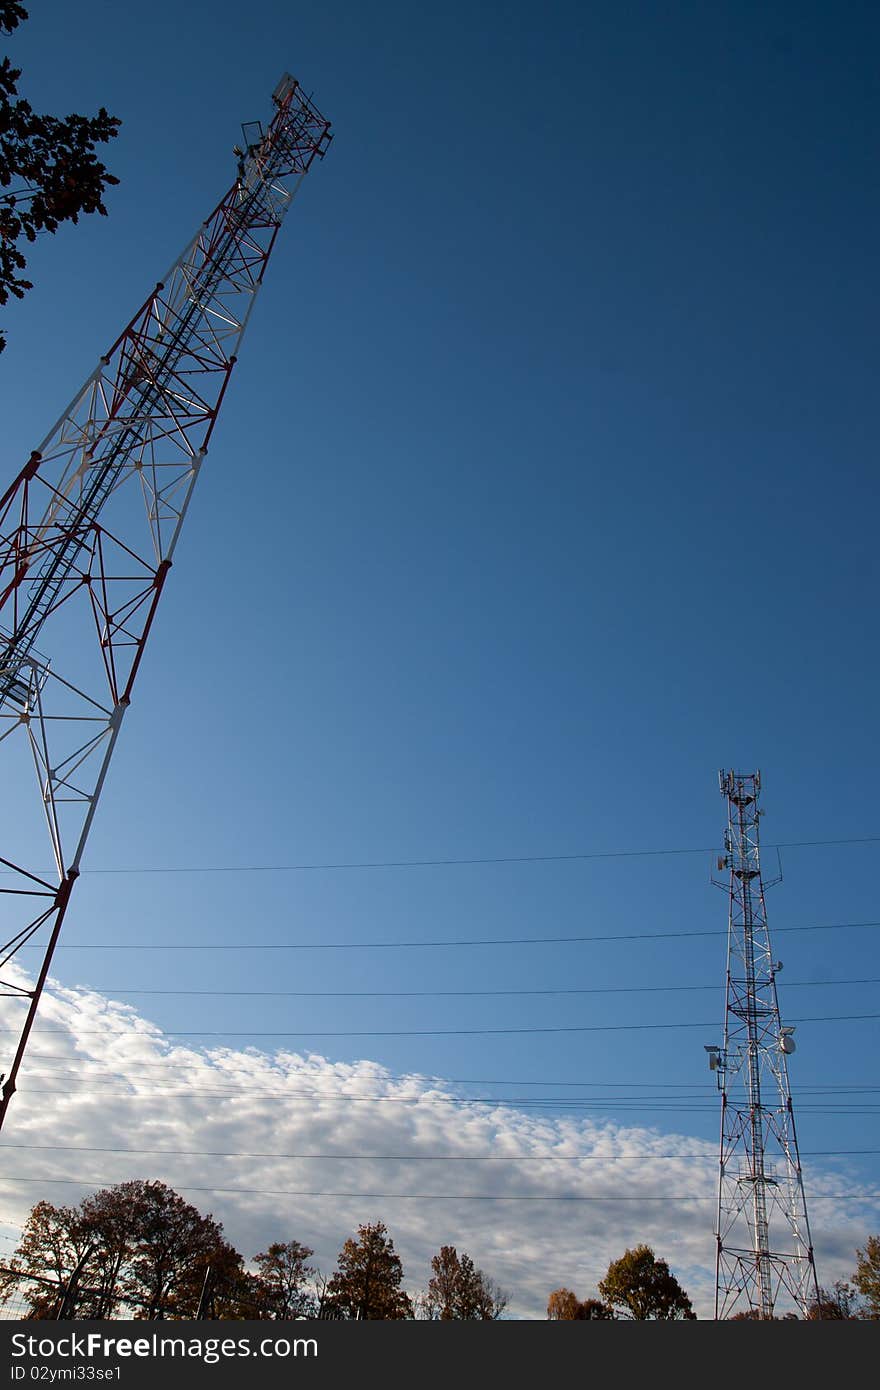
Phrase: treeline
{"type": "Point", "coordinates": [139, 1250]}
{"type": "Point", "coordinates": [639, 1286]}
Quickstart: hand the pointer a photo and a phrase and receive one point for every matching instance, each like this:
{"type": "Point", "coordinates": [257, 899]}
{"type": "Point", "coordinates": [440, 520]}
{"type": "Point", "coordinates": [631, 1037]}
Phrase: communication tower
{"type": "Point", "coordinates": [764, 1250]}
{"type": "Point", "coordinates": [89, 528]}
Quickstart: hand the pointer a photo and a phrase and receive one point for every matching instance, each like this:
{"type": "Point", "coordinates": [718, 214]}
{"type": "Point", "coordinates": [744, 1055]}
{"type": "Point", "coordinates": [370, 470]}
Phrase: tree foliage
{"type": "Point", "coordinates": [54, 1241]}
{"type": "Point", "coordinates": [47, 164]}
{"type": "Point", "coordinates": [755, 1315]}
{"type": "Point", "coordinates": [459, 1291]}
{"type": "Point", "coordinates": [564, 1306]}
{"type": "Point", "coordinates": [592, 1309]}
{"type": "Point", "coordinates": [138, 1250]}
{"type": "Point", "coordinates": [867, 1276]}
{"type": "Point", "coordinates": [136, 1247]}
{"type": "Point", "coordinates": [644, 1287]}
{"type": "Point", "coordinates": [282, 1279]}
{"type": "Point", "coordinates": [367, 1280]}
{"type": "Point", "coordinates": [171, 1247]}
{"type": "Point", "coordinates": [837, 1304]}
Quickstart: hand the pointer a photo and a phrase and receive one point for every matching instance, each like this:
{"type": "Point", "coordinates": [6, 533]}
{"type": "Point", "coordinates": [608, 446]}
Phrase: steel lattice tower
{"type": "Point", "coordinates": [89, 527]}
{"type": "Point", "coordinates": [764, 1250]}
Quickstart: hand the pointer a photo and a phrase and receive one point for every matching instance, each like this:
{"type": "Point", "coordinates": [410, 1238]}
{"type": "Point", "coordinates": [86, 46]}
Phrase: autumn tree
{"type": "Point", "coordinates": [138, 1246]}
{"type": "Point", "coordinates": [564, 1306]}
{"type": "Point", "coordinates": [837, 1304]}
{"type": "Point", "coordinates": [282, 1276]}
{"type": "Point", "coordinates": [643, 1287]}
{"type": "Point", "coordinates": [216, 1285]}
{"type": "Point", "coordinates": [367, 1280]}
{"type": "Point", "coordinates": [461, 1292]}
{"type": "Point", "coordinates": [755, 1315]}
{"type": "Point", "coordinates": [171, 1248]}
{"type": "Point", "coordinates": [107, 1218]}
{"type": "Point", "coordinates": [54, 1244]}
{"type": "Point", "coordinates": [867, 1277]}
{"type": "Point", "coordinates": [326, 1309]}
{"type": "Point", "coordinates": [47, 163]}
{"type": "Point", "coordinates": [593, 1309]}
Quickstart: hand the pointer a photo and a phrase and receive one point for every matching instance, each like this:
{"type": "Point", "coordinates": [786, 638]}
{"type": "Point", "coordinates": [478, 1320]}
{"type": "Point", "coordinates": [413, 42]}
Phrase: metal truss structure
{"type": "Point", "coordinates": [764, 1251]}
{"type": "Point", "coordinates": [89, 528]}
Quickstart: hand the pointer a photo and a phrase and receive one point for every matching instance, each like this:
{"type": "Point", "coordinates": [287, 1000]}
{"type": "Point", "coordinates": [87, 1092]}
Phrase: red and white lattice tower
{"type": "Point", "coordinates": [89, 527]}
{"type": "Point", "coordinates": [764, 1250]}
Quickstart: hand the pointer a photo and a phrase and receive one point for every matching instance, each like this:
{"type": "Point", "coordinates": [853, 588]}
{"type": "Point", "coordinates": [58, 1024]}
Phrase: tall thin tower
{"type": "Point", "coordinates": [764, 1250]}
{"type": "Point", "coordinates": [88, 532]}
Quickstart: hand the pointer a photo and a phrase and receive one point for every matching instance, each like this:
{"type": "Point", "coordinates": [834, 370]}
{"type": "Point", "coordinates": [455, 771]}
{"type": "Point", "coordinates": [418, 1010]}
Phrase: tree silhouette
{"type": "Point", "coordinates": [837, 1304]}
{"type": "Point", "coordinates": [368, 1278]}
{"type": "Point", "coordinates": [461, 1292]}
{"type": "Point", "coordinates": [47, 163]}
{"type": "Point", "coordinates": [867, 1276]}
{"type": "Point", "coordinates": [564, 1306]}
{"type": "Point", "coordinates": [592, 1310]}
{"type": "Point", "coordinates": [137, 1246]}
{"type": "Point", "coordinates": [644, 1287]}
{"type": "Point", "coordinates": [282, 1278]}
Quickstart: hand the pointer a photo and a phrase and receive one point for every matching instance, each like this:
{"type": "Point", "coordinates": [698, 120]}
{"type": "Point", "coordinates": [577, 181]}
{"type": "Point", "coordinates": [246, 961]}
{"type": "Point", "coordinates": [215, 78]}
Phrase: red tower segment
{"type": "Point", "coordinates": [89, 527]}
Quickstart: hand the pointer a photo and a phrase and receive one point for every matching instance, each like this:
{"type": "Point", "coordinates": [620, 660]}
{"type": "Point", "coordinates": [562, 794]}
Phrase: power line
{"type": "Point", "coordinates": [169, 1061]}
{"type": "Point", "coordinates": [403, 1076]}
{"type": "Point", "coordinates": [413, 1158]}
{"type": "Point", "coordinates": [495, 1102]}
{"type": "Point", "coordinates": [409, 993]}
{"type": "Point", "coordinates": [697, 1102]}
{"type": "Point", "coordinates": [399, 945]}
{"type": "Point", "coordinates": [438, 1196]}
{"type": "Point", "coordinates": [448, 993]}
{"type": "Point", "coordinates": [566, 1105]}
{"type": "Point", "coordinates": [448, 863]}
{"type": "Point", "coordinates": [562, 1102]}
{"type": "Point", "coordinates": [440, 1032]}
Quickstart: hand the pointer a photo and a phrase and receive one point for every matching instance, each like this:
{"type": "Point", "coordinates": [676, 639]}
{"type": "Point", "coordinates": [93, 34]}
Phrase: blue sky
{"type": "Point", "coordinates": [544, 488]}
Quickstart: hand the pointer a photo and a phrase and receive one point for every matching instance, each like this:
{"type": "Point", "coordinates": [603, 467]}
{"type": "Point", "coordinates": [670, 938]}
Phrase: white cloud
{"type": "Point", "coordinates": [108, 1078]}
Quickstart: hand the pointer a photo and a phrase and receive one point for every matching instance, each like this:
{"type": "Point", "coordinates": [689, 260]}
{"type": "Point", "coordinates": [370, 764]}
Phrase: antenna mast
{"type": "Point", "coordinates": [764, 1250]}
{"type": "Point", "coordinates": [89, 527]}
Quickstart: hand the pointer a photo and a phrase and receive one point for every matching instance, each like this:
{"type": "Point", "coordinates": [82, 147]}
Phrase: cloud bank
{"type": "Point", "coordinates": [280, 1145]}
